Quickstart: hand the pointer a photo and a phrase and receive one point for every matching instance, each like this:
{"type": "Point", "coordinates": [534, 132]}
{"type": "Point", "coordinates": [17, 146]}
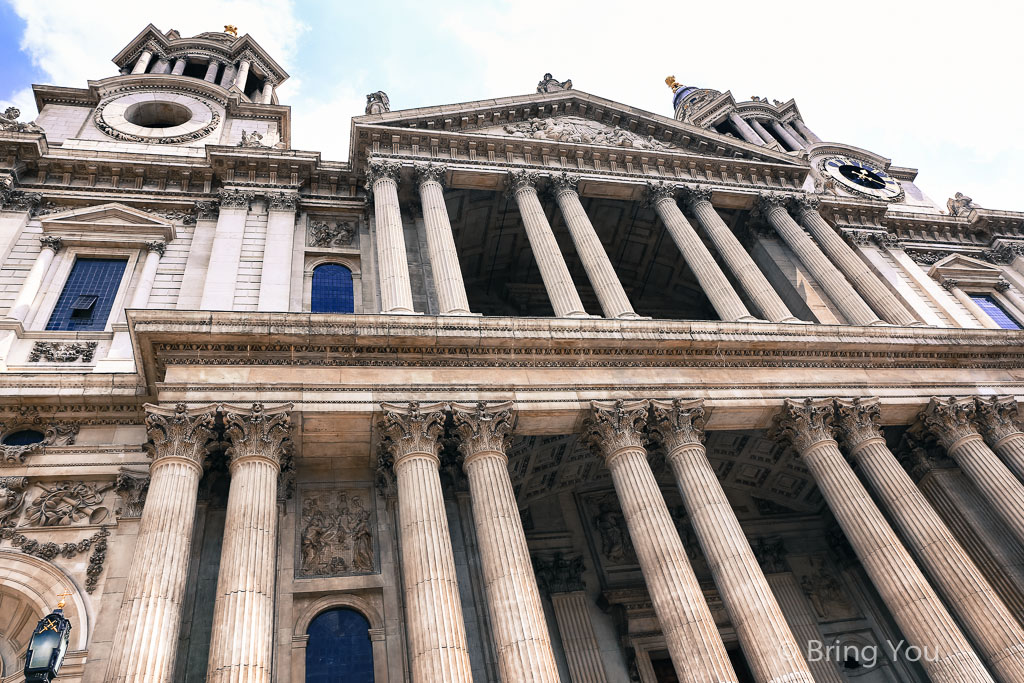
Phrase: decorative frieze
{"type": "Point", "coordinates": [579, 130]}
{"type": "Point", "coordinates": [51, 551]}
{"type": "Point", "coordinates": [335, 532]}
{"type": "Point", "coordinates": [330, 233]}
{"type": "Point", "coordinates": [66, 503]}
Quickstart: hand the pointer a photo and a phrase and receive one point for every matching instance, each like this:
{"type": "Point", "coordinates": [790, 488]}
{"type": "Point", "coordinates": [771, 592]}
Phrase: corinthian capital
{"type": "Point", "coordinates": [283, 201]}
{"type": "Point", "coordinates": [378, 169]}
{"type": "Point", "coordinates": [235, 199]}
{"type": "Point", "coordinates": [805, 204]}
{"type": "Point", "coordinates": [678, 422]}
{"type": "Point", "coordinates": [950, 420]}
{"type": "Point", "coordinates": [769, 202]}
{"type": "Point", "coordinates": [257, 432]}
{"type": "Point", "coordinates": [615, 425]}
{"type": "Point", "coordinates": [483, 428]}
{"type": "Point", "coordinates": [564, 182]}
{"type": "Point", "coordinates": [179, 432]}
{"type": "Point", "coordinates": [427, 172]}
{"type": "Point", "coordinates": [517, 180]}
{"type": "Point", "coordinates": [696, 194]}
{"type": "Point", "coordinates": [997, 418]}
{"type": "Point", "coordinates": [857, 421]}
{"type": "Point", "coordinates": [804, 424]}
{"type": "Point", "coordinates": [412, 428]}
{"type": "Point", "coordinates": [51, 242]}
{"type": "Point", "coordinates": [660, 190]}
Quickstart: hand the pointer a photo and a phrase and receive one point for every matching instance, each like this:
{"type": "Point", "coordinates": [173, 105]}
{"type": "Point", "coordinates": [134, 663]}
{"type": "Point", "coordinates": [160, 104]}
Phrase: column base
{"type": "Point", "coordinates": [460, 314]}
{"type": "Point", "coordinates": [400, 312]}
{"type": "Point", "coordinates": [879, 323]}
{"type": "Point", "coordinates": [795, 321]}
{"type": "Point", "coordinates": [632, 316]}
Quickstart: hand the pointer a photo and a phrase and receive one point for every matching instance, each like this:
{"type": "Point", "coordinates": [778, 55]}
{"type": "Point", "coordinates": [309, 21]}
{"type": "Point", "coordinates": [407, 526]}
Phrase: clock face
{"type": "Point", "coordinates": [860, 177]}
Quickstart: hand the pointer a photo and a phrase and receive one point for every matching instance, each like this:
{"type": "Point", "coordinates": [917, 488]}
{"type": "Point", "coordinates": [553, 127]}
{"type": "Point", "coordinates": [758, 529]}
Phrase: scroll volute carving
{"type": "Point", "coordinates": [678, 423]}
{"type": "Point", "coordinates": [950, 419]}
{"type": "Point", "coordinates": [257, 432]}
{"type": "Point", "coordinates": [857, 420]}
{"type": "Point", "coordinates": [179, 432]}
{"type": "Point", "coordinates": [412, 428]}
{"type": "Point", "coordinates": [483, 428]}
{"type": "Point", "coordinates": [615, 425]}
{"type": "Point", "coordinates": [998, 417]}
{"type": "Point", "coordinates": [804, 424]}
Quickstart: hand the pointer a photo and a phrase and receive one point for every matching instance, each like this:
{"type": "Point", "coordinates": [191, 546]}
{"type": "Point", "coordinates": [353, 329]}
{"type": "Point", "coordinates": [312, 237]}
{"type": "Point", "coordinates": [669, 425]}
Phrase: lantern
{"type": "Point", "coordinates": [47, 646]}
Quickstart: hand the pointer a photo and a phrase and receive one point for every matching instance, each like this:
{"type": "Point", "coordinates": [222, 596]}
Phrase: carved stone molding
{"type": "Point", "coordinates": [377, 169]}
{"type": "Point", "coordinates": [324, 233]}
{"type": "Point", "coordinates": [179, 432]}
{"type": "Point", "coordinates": [257, 432]}
{"type": "Point", "coordinates": [283, 201]}
{"type": "Point", "coordinates": [51, 242]}
{"type": "Point", "coordinates": [950, 420]}
{"type": "Point", "coordinates": [483, 428]}
{"type": "Point", "coordinates": [856, 421]}
{"type": "Point", "coordinates": [1006, 252]}
{"type": "Point", "coordinates": [997, 418]}
{"type": "Point", "coordinates": [804, 424]}
{"type": "Point", "coordinates": [564, 182]}
{"type": "Point", "coordinates": [55, 433]}
{"type": "Point", "coordinates": [614, 426]}
{"type": "Point", "coordinates": [64, 503]}
{"type": "Point", "coordinates": [62, 352]}
{"type": "Point", "coordinates": [695, 194]}
{"type": "Point", "coordinates": [230, 198]}
{"type": "Point", "coordinates": [425, 172]}
{"type": "Point", "coordinates": [50, 551]}
{"type": "Point", "coordinates": [412, 428]}
{"type": "Point", "coordinates": [926, 258]}
{"type": "Point", "coordinates": [132, 486]}
{"type": "Point", "coordinates": [12, 499]}
{"type": "Point", "coordinates": [579, 130]}
{"type": "Point", "coordinates": [207, 210]}
{"type": "Point", "coordinates": [517, 180]}
{"type": "Point", "coordinates": [658, 191]}
{"type": "Point", "coordinates": [19, 200]}
{"type": "Point", "coordinates": [559, 573]}
{"type": "Point", "coordinates": [770, 554]}
{"type": "Point", "coordinates": [678, 423]}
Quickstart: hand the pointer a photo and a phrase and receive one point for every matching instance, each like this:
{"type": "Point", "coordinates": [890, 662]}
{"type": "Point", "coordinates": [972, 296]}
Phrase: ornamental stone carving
{"type": "Point", "coordinates": [695, 194]}
{"type": "Point", "coordinates": [257, 432]}
{"type": "Point", "coordinates": [859, 238]}
{"type": "Point", "coordinates": [28, 419]}
{"type": "Point", "coordinates": [412, 428]}
{"type": "Point", "coordinates": [856, 421]}
{"type": "Point", "coordinates": [997, 417]}
{"type": "Point", "coordinates": [949, 283]}
{"type": "Point", "coordinates": [657, 191]}
{"type": "Point", "coordinates": [9, 121]}
{"type": "Point", "coordinates": [323, 233]}
{"type": "Point", "coordinates": [768, 202]}
{"type": "Point", "coordinates": [1006, 252]}
{"type": "Point", "coordinates": [559, 573]}
{"type": "Point", "coordinates": [805, 204]}
{"type": "Point", "coordinates": [564, 182]}
{"type": "Point", "coordinates": [179, 432]}
{"type": "Point", "coordinates": [335, 532]}
{"type": "Point", "coordinates": [67, 502]}
{"type": "Point", "coordinates": [283, 201]}
{"type": "Point", "coordinates": [1001, 285]}
{"type": "Point", "coordinates": [550, 84]}
{"type": "Point", "coordinates": [950, 419]}
{"type": "Point", "coordinates": [578, 130]}
{"type": "Point", "coordinates": [19, 200]}
{"type": "Point", "coordinates": [157, 246]}
{"type": "Point", "coordinates": [50, 551]}
{"type": "Point", "coordinates": [425, 172]}
{"type": "Point", "coordinates": [252, 139]}
{"type": "Point", "coordinates": [483, 428]}
{"type": "Point", "coordinates": [377, 169]}
{"type": "Point", "coordinates": [378, 103]}
{"type": "Point", "coordinates": [132, 486]}
{"type": "Point", "coordinates": [770, 554]}
{"type": "Point", "coordinates": [614, 426]}
{"type": "Point", "coordinates": [804, 424]}
{"type": "Point", "coordinates": [926, 258]}
{"type": "Point", "coordinates": [230, 198]}
{"type": "Point", "coordinates": [825, 592]}
{"type": "Point", "coordinates": [12, 499]}
{"type": "Point", "coordinates": [518, 180]}
{"type": "Point", "coordinates": [887, 240]}
{"type": "Point", "coordinates": [51, 242]}
{"type": "Point", "coordinates": [207, 210]}
{"type": "Point", "coordinates": [62, 352]}
{"type": "Point", "coordinates": [678, 422]}
{"type": "Point", "coordinates": [959, 204]}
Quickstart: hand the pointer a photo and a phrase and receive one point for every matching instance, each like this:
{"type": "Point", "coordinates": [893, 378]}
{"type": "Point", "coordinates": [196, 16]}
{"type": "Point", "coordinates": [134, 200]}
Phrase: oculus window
{"type": "Point", "coordinates": [88, 295]}
{"type": "Point", "coordinates": [332, 289]}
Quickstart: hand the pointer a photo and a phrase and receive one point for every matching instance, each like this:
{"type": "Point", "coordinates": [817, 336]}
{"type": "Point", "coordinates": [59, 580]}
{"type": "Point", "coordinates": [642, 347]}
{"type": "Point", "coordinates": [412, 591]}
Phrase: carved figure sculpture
{"type": "Point", "coordinates": [549, 84]}
{"type": "Point", "coordinates": [378, 103]}
{"type": "Point", "coordinates": [582, 131]}
{"type": "Point", "coordinates": [960, 204]}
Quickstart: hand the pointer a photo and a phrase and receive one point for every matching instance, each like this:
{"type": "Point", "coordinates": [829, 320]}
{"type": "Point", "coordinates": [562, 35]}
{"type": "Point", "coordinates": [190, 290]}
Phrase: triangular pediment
{"type": "Point", "coordinates": [575, 117]}
{"type": "Point", "coordinates": [961, 262]}
{"type": "Point", "coordinates": [108, 223]}
{"type": "Point", "coordinates": [107, 214]}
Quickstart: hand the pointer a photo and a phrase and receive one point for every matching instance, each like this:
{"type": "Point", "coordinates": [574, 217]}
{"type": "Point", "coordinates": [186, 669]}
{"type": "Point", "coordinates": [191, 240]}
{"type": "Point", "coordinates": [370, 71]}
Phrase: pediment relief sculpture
{"type": "Point", "coordinates": [575, 129]}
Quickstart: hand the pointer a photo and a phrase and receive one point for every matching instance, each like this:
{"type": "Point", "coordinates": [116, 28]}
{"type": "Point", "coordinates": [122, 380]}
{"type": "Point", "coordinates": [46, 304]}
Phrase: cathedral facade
{"type": "Point", "coordinates": [537, 388]}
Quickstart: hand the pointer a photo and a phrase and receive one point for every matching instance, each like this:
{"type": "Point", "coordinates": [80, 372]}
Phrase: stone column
{"type": "Point", "coordinates": [952, 422]}
{"type": "Point", "coordinates": [615, 431]}
{"type": "Point", "coordinates": [162, 66]}
{"type": "Point", "coordinates": [513, 601]}
{"type": "Point", "coordinates": [805, 131]}
{"type": "Point", "coordinates": [842, 294]}
{"type": "Point", "coordinates": [267, 96]}
{"type": "Point", "coordinates": [179, 66]}
{"type": "Point", "coordinates": [34, 280]}
{"type": "Point", "coordinates": [565, 300]}
{"type": "Point", "coordinates": [211, 71]}
{"type": "Point", "coordinates": [711, 278]}
{"type": "Point", "coordinates": [852, 266]}
{"type": "Point", "coordinates": [743, 268]}
{"type": "Point", "coordinates": [770, 648]}
{"type": "Point", "coordinates": [444, 258]}
{"type": "Point", "coordinates": [1000, 425]}
{"type": "Point", "coordinates": [392, 264]}
{"type": "Point", "coordinates": [242, 75]}
{"type": "Point", "coordinates": [782, 133]}
{"type": "Point", "coordinates": [796, 135]}
{"type": "Point", "coordinates": [276, 276]}
{"type": "Point", "coordinates": [561, 578]}
{"type": "Point", "coordinates": [807, 426]}
{"type": "Point", "coordinates": [610, 293]}
{"type": "Point", "coordinates": [142, 63]}
{"type": "Point", "coordinates": [241, 641]}
{"type": "Point", "coordinates": [991, 626]}
{"type": "Point", "coordinates": [144, 287]}
{"type": "Point", "coordinates": [744, 129]}
{"type": "Point", "coordinates": [227, 76]}
{"type": "Point", "coordinates": [226, 253]}
{"type": "Point", "coordinates": [146, 638]}
{"type": "Point", "coordinates": [437, 634]}
{"type": "Point", "coordinates": [763, 132]}
{"type": "Point", "coordinates": [952, 285]}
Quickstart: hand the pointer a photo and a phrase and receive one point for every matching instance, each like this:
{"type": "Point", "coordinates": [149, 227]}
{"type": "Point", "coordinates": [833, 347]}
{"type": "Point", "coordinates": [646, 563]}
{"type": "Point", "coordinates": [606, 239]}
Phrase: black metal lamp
{"type": "Point", "coordinates": [47, 646]}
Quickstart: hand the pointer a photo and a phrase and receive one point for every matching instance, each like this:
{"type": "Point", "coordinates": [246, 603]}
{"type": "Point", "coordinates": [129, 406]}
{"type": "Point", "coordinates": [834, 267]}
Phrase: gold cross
{"type": "Point", "coordinates": [60, 605]}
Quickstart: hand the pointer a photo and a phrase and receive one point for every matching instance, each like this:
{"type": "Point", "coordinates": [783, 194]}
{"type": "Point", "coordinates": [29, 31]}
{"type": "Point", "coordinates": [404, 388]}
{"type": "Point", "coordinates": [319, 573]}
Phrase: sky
{"type": "Point", "coordinates": [931, 85]}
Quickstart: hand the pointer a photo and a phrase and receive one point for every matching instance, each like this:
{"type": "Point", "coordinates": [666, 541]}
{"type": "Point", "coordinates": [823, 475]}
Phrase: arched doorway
{"type": "Point", "coordinates": [339, 648]}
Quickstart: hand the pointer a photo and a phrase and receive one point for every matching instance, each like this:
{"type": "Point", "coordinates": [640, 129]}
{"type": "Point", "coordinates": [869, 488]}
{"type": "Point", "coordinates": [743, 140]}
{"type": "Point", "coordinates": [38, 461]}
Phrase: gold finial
{"type": "Point", "coordinates": [233, 30]}
{"type": "Point", "coordinates": [673, 83]}
{"type": "Point", "coordinates": [62, 596]}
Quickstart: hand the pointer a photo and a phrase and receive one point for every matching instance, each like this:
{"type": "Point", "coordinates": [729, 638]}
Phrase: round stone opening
{"type": "Point", "coordinates": [158, 114]}
{"type": "Point", "coordinates": [24, 437]}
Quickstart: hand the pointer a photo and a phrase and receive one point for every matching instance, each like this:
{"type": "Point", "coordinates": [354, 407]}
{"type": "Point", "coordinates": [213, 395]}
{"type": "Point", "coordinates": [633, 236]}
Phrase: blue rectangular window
{"type": "Point", "coordinates": [988, 304]}
{"type": "Point", "coordinates": [88, 295]}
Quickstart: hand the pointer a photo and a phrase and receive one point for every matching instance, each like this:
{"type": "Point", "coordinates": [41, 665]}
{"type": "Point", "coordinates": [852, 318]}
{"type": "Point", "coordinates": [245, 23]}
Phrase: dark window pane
{"type": "Point", "coordinates": [24, 437]}
{"type": "Point", "coordinates": [95, 278]}
{"type": "Point", "coordinates": [995, 311]}
{"type": "Point", "coordinates": [332, 289]}
{"type": "Point", "coordinates": [339, 648]}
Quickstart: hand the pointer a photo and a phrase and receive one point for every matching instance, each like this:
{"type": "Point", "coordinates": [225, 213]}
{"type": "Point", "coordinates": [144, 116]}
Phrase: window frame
{"type": "Point", "coordinates": [370, 606]}
{"type": "Point", "coordinates": [60, 270]}
{"type": "Point", "coordinates": [1001, 300]}
{"type": "Point", "coordinates": [350, 262]}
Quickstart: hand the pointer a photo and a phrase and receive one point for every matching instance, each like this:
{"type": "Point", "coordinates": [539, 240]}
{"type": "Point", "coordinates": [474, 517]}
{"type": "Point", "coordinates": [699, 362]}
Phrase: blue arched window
{"type": "Point", "coordinates": [339, 648]}
{"type": "Point", "coordinates": [332, 289]}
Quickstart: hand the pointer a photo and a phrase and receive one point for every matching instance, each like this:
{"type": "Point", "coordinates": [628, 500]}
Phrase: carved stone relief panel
{"type": "Point", "coordinates": [332, 232]}
{"type": "Point", "coordinates": [66, 503]}
{"type": "Point", "coordinates": [823, 586]}
{"type": "Point", "coordinates": [336, 534]}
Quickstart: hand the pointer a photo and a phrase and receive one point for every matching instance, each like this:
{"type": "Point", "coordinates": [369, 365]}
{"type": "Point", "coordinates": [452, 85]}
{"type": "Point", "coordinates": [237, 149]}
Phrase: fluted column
{"type": "Point", "coordinates": [743, 268]}
{"type": "Point", "coordinates": [807, 425]}
{"type": "Point", "coordinates": [444, 258]}
{"type": "Point", "coordinates": [952, 422]}
{"type": "Point", "coordinates": [615, 431]}
{"type": "Point", "coordinates": [142, 63]}
{"type": "Point", "coordinates": [392, 264]}
{"type": "Point", "coordinates": [605, 282]}
{"type": "Point", "coordinates": [1000, 425]}
{"type": "Point", "coordinates": [242, 75]}
{"type": "Point", "coordinates": [227, 76]}
{"type": "Point", "coordinates": [744, 129]}
{"type": "Point", "coordinates": [841, 292]}
{"type": "Point", "coordinates": [50, 245]}
{"type": "Point", "coordinates": [991, 626]}
{"type": "Point", "coordinates": [805, 131]}
{"type": "Point", "coordinates": [565, 300]}
{"type": "Point", "coordinates": [852, 266]}
{"type": "Point", "coordinates": [146, 639]}
{"type": "Point", "coordinates": [796, 134]}
{"type": "Point", "coordinates": [561, 578]}
{"type": "Point", "coordinates": [241, 641]}
{"type": "Point", "coordinates": [513, 601]}
{"type": "Point", "coordinates": [267, 96]}
{"type": "Point", "coordinates": [712, 280]}
{"type": "Point", "coordinates": [436, 630]}
{"type": "Point", "coordinates": [770, 648]}
{"type": "Point", "coordinates": [144, 287]}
